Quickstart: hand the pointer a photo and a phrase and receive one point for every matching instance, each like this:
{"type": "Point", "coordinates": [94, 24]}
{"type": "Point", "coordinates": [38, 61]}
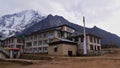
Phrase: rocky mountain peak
{"type": "Point", "coordinates": [12, 23]}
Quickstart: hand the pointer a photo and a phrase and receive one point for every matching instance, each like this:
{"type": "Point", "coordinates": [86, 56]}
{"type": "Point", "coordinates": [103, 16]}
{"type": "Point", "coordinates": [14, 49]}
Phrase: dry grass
{"type": "Point", "coordinates": [105, 61]}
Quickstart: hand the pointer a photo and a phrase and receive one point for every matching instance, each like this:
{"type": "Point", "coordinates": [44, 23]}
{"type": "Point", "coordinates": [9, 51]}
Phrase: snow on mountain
{"type": "Point", "coordinates": [17, 22]}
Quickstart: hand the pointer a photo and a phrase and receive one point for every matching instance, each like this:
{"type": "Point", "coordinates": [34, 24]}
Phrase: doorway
{"type": "Point", "coordinates": [70, 53]}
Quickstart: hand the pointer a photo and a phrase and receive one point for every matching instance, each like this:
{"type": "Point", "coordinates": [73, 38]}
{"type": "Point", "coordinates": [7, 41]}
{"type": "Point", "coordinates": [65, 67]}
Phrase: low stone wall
{"type": "Point", "coordinates": [23, 62]}
{"type": "Point", "coordinates": [108, 51]}
{"type": "Point", "coordinates": [35, 56]}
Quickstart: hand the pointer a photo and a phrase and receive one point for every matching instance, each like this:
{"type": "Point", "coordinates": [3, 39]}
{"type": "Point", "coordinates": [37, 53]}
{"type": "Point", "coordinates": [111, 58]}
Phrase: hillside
{"type": "Point", "coordinates": [53, 21]}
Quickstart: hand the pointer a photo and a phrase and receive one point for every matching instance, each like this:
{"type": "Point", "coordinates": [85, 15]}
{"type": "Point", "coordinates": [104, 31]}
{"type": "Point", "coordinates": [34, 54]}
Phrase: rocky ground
{"type": "Point", "coordinates": [105, 61]}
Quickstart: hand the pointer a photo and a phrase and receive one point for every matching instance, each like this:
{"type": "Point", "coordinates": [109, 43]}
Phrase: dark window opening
{"type": "Point", "coordinates": [55, 49]}
{"type": "Point", "coordinates": [91, 39]}
{"type": "Point", "coordinates": [76, 39]}
{"type": "Point", "coordinates": [91, 47]}
{"type": "Point", "coordinates": [98, 41]}
{"type": "Point", "coordinates": [98, 47]}
{"type": "Point", "coordinates": [95, 48]}
{"type": "Point", "coordinates": [29, 44]}
{"type": "Point", "coordinates": [45, 48]}
{"type": "Point", "coordinates": [94, 40]}
{"type": "Point", "coordinates": [82, 38]}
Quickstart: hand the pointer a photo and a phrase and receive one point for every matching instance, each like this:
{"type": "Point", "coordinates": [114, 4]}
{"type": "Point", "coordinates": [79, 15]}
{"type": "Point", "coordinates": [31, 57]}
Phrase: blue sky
{"type": "Point", "coordinates": [102, 13]}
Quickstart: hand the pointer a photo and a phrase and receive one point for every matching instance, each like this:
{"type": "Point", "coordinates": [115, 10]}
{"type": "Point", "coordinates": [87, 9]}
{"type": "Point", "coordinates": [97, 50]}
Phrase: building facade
{"type": "Point", "coordinates": [62, 47]}
{"type": "Point", "coordinates": [14, 42]}
{"type": "Point", "coordinates": [93, 43]}
{"type": "Point", "coordinates": [60, 40]}
{"type": "Point", "coordinates": [37, 42]}
{"type": "Point", "coordinates": [13, 46]}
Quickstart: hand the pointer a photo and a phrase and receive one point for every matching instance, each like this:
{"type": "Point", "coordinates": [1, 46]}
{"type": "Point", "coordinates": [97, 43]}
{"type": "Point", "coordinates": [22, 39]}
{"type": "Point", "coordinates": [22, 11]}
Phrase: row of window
{"type": "Point", "coordinates": [95, 40]}
{"type": "Point", "coordinates": [38, 43]}
{"type": "Point", "coordinates": [12, 41]}
{"type": "Point", "coordinates": [19, 41]}
{"type": "Point", "coordinates": [9, 41]}
{"type": "Point", "coordinates": [77, 39]}
{"type": "Point", "coordinates": [38, 36]}
{"type": "Point", "coordinates": [36, 50]}
{"type": "Point", "coordinates": [94, 47]}
{"type": "Point", "coordinates": [92, 39]}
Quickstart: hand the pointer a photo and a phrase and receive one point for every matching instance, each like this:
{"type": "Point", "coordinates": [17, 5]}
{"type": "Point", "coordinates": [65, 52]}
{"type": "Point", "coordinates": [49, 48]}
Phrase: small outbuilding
{"type": "Point", "coordinates": [62, 47]}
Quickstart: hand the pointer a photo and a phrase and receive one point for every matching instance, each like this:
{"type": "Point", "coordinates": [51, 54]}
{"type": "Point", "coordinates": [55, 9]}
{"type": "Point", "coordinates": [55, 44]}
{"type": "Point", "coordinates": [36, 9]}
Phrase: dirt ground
{"type": "Point", "coordinates": [105, 61]}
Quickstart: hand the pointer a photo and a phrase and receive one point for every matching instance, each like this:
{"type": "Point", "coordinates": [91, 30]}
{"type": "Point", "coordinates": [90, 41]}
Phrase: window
{"type": "Point", "coordinates": [39, 49]}
{"type": "Point", "coordinates": [70, 39]}
{"type": "Point", "coordinates": [91, 47]}
{"type": "Point", "coordinates": [40, 36]}
{"type": "Point", "coordinates": [76, 39]}
{"type": "Point", "coordinates": [30, 50]}
{"type": "Point", "coordinates": [8, 41]}
{"type": "Point", "coordinates": [45, 35]}
{"type": "Point", "coordinates": [31, 37]}
{"type": "Point", "coordinates": [19, 41]}
{"type": "Point", "coordinates": [91, 40]}
{"type": "Point", "coordinates": [12, 40]}
{"type": "Point", "coordinates": [98, 47]}
{"type": "Point", "coordinates": [45, 48]}
{"type": "Point", "coordinates": [95, 48]}
{"type": "Point", "coordinates": [55, 49]}
{"type": "Point", "coordinates": [35, 43]}
{"type": "Point", "coordinates": [82, 38]}
{"type": "Point", "coordinates": [51, 33]}
{"type": "Point", "coordinates": [59, 34]}
{"type": "Point", "coordinates": [11, 46]}
{"type": "Point", "coordinates": [29, 44]}
{"type": "Point", "coordinates": [94, 40]}
{"type": "Point", "coordinates": [45, 42]}
{"type": "Point", "coordinates": [68, 34]}
{"type": "Point", "coordinates": [34, 50]}
{"type": "Point", "coordinates": [39, 43]}
{"type": "Point", "coordinates": [18, 46]}
{"type": "Point", "coordinates": [35, 37]}
{"type": "Point", "coordinates": [98, 41]}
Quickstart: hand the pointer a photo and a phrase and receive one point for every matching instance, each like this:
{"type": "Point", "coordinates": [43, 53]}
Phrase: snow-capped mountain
{"type": "Point", "coordinates": [12, 23]}
{"type": "Point", "coordinates": [29, 21]}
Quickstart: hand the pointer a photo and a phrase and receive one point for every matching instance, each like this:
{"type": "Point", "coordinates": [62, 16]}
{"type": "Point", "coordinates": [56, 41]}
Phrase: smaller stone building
{"type": "Point", "coordinates": [73, 45]}
{"type": "Point", "coordinates": [93, 43]}
{"type": "Point", "coordinates": [13, 46]}
{"type": "Point", "coordinates": [62, 47]}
